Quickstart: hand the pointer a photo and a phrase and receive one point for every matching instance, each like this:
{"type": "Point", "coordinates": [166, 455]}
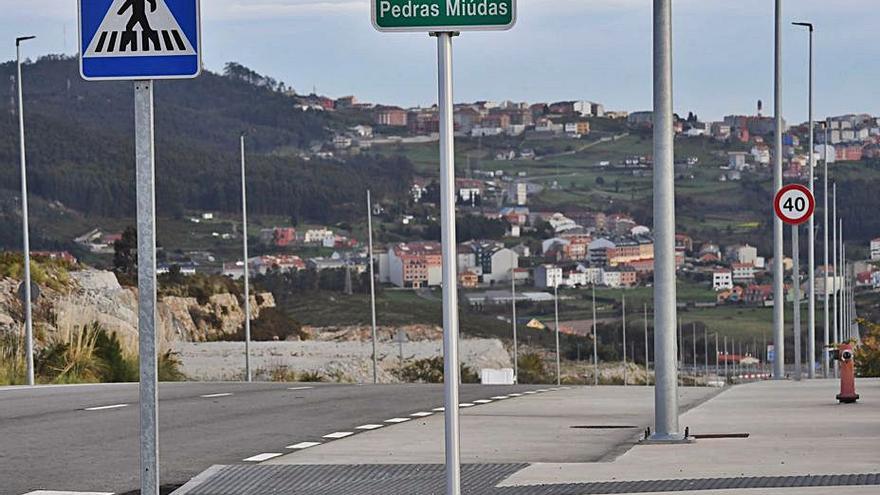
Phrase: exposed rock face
{"type": "Point", "coordinates": [97, 296]}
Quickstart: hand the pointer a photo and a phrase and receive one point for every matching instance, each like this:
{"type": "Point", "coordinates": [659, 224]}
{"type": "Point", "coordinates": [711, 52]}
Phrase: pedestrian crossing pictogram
{"type": "Point", "coordinates": [141, 27]}
{"type": "Point", "coordinates": [139, 39]}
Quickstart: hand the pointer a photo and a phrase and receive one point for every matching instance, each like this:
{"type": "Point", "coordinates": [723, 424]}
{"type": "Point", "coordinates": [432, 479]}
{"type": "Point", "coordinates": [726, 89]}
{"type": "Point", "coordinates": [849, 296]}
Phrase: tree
{"type": "Point", "coordinates": [868, 354]}
{"type": "Point", "coordinates": [125, 254]}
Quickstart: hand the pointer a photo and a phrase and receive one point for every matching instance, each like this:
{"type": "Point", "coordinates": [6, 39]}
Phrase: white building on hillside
{"type": "Point", "coordinates": [548, 276]}
{"type": "Point", "coordinates": [722, 280]}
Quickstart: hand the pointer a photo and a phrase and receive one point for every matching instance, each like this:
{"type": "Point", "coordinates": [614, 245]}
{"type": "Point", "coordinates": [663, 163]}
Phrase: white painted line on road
{"type": "Point", "coordinates": [369, 427]}
{"type": "Point", "coordinates": [531, 392]}
{"type": "Point", "coordinates": [300, 388]}
{"type": "Point", "coordinates": [465, 404]}
{"type": "Point", "coordinates": [211, 396]}
{"type": "Point", "coordinates": [483, 401]}
{"type": "Point", "coordinates": [303, 445]}
{"type": "Point", "coordinates": [263, 457]}
{"type": "Point", "coordinates": [53, 492]}
{"type": "Point", "coordinates": [421, 414]}
{"type": "Point", "coordinates": [104, 408]}
{"type": "Point", "coordinates": [500, 397]}
{"type": "Point", "coordinates": [543, 390]}
{"type": "Point", "coordinates": [516, 395]}
{"type": "Point", "coordinates": [439, 409]}
{"type": "Point", "coordinates": [397, 420]}
{"type": "Point", "coordinates": [339, 434]}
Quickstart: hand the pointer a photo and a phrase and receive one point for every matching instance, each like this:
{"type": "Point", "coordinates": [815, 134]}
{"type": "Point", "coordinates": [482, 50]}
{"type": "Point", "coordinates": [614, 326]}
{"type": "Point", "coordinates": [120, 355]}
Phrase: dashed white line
{"type": "Point", "coordinates": [303, 445]}
{"type": "Point", "coordinates": [465, 404]}
{"type": "Point", "coordinates": [212, 396]}
{"type": "Point", "coordinates": [104, 408]}
{"type": "Point", "coordinates": [397, 420]}
{"type": "Point", "coordinates": [369, 427]}
{"type": "Point", "coordinates": [531, 392]}
{"type": "Point", "coordinates": [439, 409]}
{"type": "Point", "coordinates": [421, 414]}
{"type": "Point", "coordinates": [483, 401]}
{"type": "Point", "coordinates": [262, 457]}
{"type": "Point", "coordinates": [500, 397]}
{"type": "Point", "coordinates": [339, 434]}
{"type": "Point", "coordinates": [516, 395]}
{"type": "Point", "coordinates": [300, 388]}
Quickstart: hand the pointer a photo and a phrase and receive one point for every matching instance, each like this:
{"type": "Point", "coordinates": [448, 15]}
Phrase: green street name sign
{"type": "Point", "coordinates": [443, 15]}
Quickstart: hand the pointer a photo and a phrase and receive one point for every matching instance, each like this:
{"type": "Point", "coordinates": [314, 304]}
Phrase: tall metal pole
{"type": "Point", "coordinates": [666, 425]}
{"type": "Point", "coordinates": [26, 245]}
{"type": "Point", "coordinates": [836, 263]}
{"type": "Point", "coordinates": [450, 282]}
{"type": "Point", "coordinates": [372, 286]}
{"type": "Point", "coordinates": [706, 350]}
{"type": "Point", "coordinates": [513, 320]}
{"type": "Point", "coordinates": [694, 337]}
{"type": "Point", "coordinates": [826, 336]}
{"type": "Point", "coordinates": [556, 317]}
{"type": "Point", "coordinates": [247, 279]}
{"type": "Point", "coordinates": [796, 299]}
{"type": "Point", "coordinates": [647, 354]}
{"type": "Point", "coordinates": [726, 360]}
{"type": "Point", "coordinates": [147, 336]}
{"type": "Point", "coordinates": [717, 371]}
{"type": "Point", "coordinates": [778, 282]}
{"type": "Point", "coordinates": [811, 244]}
{"type": "Point", "coordinates": [624, 339]}
{"type": "Point", "coordinates": [595, 342]}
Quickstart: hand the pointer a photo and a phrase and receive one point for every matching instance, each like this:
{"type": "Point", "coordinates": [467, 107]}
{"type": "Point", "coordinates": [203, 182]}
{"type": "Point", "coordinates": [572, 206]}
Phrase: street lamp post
{"type": "Point", "coordinates": [556, 317]}
{"type": "Point", "coordinates": [26, 248]}
{"type": "Point", "coordinates": [811, 228]}
{"type": "Point", "coordinates": [778, 287]}
{"type": "Point", "coordinates": [372, 286]}
{"type": "Point", "coordinates": [826, 336]}
{"type": "Point", "coordinates": [247, 295]}
{"type": "Point", "coordinates": [513, 317]}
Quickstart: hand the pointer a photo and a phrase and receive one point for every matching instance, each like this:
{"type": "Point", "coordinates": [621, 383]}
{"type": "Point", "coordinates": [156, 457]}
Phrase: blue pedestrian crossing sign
{"type": "Point", "coordinates": [139, 39]}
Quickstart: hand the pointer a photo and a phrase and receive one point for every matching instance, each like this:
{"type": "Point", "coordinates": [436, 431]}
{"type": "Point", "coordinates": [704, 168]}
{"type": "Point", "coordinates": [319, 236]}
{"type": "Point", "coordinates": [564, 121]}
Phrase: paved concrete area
{"type": "Point", "coordinates": [531, 428]}
{"type": "Point", "coordinates": [796, 428]}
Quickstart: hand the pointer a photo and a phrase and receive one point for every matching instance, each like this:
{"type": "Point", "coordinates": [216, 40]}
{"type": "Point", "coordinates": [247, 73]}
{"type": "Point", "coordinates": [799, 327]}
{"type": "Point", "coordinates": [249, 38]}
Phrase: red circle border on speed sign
{"type": "Point", "coordinates": [810, 200]}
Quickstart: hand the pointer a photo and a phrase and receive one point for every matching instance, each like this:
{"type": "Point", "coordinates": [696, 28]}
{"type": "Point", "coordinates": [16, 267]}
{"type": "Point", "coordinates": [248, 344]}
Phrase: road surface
{"type": "Point", "coordinates": [85, 437]}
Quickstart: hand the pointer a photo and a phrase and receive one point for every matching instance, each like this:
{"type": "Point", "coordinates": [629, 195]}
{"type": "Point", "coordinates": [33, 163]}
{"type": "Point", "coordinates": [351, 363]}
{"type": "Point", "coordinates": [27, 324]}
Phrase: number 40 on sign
{"type": "Point", "coordinates": [794, 204]}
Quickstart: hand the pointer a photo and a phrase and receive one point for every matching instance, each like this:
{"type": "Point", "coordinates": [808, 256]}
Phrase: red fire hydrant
{"type": "Point", "coordinates": [844, 354]}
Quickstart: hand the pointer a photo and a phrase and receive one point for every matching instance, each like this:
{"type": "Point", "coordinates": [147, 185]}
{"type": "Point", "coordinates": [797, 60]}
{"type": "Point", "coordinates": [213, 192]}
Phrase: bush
{"type": "Point", "coordinates": [273, 324]}
{"type": "Point", "coordinates": [868, 354]}
{"type": "Point", "coordinates": [532, 370]}
{"type": "Point", "coordinates": [430, 370]}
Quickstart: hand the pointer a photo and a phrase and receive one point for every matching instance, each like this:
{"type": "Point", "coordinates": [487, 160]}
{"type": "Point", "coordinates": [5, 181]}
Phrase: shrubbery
{"type": "Point", "coordinates": [430, 370]}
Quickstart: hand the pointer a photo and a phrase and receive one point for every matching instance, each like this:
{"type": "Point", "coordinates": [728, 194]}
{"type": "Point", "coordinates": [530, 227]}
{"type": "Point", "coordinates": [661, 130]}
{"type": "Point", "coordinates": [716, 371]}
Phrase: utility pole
{"type": "Point", "coordinates": [778, 286]}
{"type": "Point", "coordinates": [726, 360]}
{"type": "Point", "coordinates": [717, 371]}
{"type": "Point", "coordinates": [513, 319]}
{"type": "Point", "coordinates": [26, 247]}
{"type": "Point", "coordinates": [694, 336]}
{"type": "Point", "coordinates": [706, 351]}
{"type": "Point", "coordinates": [247, 294]}
{"type": "Point", "coordinates": [595, 342]}
{"type": "Point", "coordinates": [624, 338]}
{"type": "Point", "coordinates": [372, 286]}
{"type": "Point", "coordinates": [826, 336]}
{"type": "Point", "coordinates": [666, 420]}
{"type": "Point", "coordinates": [556, 312]}
{"type": "Point", "coordinates": [836, 271]}
{"type": "Point", "coordinates": [647, 354]}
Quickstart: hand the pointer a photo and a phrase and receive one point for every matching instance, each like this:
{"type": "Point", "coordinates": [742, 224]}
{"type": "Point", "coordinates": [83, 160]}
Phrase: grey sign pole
{"type": "Point", "coordinates": [595, 342]}
{"type": "Point", "coordinates": [247, 280]}
{"type": "Point", "coordinates": [717, 371]}
{"type": "Point", "coordinates": [726, 361]}
{"type": "Point", "coordinates": [147, 339]}
{"type": "Point", "coordinates": [694, 345]}
{"type": "Point", "coordinates": [26, 247]}
{"type": "Point", "coordinates": [623, 315]}
{"type": "Point", "coordinates": [778, 287]}
{"type": "Point", "coordinates": [647, 353]}
{"type": "Point", "coordinates": [811, 242]}
{"type": "Point", "coordinates": [450, 282]}
{"type": "Point", "coordinates": [796, 299]}
{"type": "Point", "coordinates": [836, 272]}
{"type": "Point", "coordinates": [706, 351]}
{"type": "Point", "coordinates": [556, 317]}
{"type": "Point", "coordinates": [666, 426]}
{"type": "Point", "coordinates": [372, 285]}
{"type": "Point", "coordinates": [513, 320]}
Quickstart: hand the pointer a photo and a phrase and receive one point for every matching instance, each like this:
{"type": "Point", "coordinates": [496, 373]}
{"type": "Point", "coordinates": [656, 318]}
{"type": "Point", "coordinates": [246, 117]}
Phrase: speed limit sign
{"type": "Point", "coordinates": [794, 204]}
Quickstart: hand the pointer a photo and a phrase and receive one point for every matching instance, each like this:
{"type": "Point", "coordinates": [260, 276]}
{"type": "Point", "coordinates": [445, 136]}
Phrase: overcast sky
{"type": "Point", "coordinates": [597, 50]}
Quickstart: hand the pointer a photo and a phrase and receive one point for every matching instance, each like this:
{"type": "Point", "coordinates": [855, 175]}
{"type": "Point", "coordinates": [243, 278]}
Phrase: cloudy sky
{"type": "Point", "coordinates": [560, 49]}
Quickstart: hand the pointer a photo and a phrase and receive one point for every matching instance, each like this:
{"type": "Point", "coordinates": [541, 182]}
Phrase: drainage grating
{"type": "Point", "coordinates": [477, 479]}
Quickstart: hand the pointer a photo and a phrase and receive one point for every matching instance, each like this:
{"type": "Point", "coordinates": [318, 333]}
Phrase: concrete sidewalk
{"type": "Point", "coordinates": [548, 427]}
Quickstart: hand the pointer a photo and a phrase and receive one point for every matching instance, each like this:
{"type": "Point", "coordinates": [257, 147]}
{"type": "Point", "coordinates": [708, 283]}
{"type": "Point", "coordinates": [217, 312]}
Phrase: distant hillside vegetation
{"type": "Point", "coordinates": [81, 150]}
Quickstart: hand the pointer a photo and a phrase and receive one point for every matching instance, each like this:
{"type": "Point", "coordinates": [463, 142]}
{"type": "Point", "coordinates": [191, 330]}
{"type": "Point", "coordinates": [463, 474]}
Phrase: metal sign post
{"type": "Point", "coordinates": [443, 20]}
{"type": "Point", "coordinates": [372, 286]}
{"type": "Point", "coordinates": [796, 298]}
{"type": "Point", "coordinates": [121, 40]}
{"type": "Point", "coordinates": [623, 354]}
{"type": "Point", "coordinates": [247, 280]}
{"type": "Point", "coordinates": [778, 272]}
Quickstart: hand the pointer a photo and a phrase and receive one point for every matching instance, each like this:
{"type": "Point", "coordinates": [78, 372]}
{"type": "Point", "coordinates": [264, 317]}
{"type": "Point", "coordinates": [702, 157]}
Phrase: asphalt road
{"type": "Point", "coordinates": [53, 438]}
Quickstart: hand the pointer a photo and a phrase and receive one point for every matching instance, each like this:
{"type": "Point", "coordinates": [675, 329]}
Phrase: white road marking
{"type": "Point", "coordinates": [369, 427]}
{"type": "Point", "coordinates": [339, 434]}
{"type": "Point", "coordinates": [466, 404]}
{"type": "Point", "coordinates": [211, 396]}
{"type": "Point", "coordinates": [397, 420]}
{"type": "Point", "coordinates": [104, 408]}
{"type": "Point", "coordinates": [531, 392]}
{"type": "Point", "coordinates": [500, 397]}
{"type": "Point", "coordinates": [483, 401]}
{"type": "Point", "coordinates": [262, 457]}
{"type": "Point", "coordinates": [421, 414]}
{"type": "Point", "coordinates": [303, 445]}
{"type": "Point", "coordinates": [543, 390]}
{"type": "Point", "coordinates": [300, 388]}
{"type": "Point", "coordinates": [516, 395]}
{"type": "Point", "coordinates": [53, 492]}
{"type": "Point", "coordinates": [439, 409]}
